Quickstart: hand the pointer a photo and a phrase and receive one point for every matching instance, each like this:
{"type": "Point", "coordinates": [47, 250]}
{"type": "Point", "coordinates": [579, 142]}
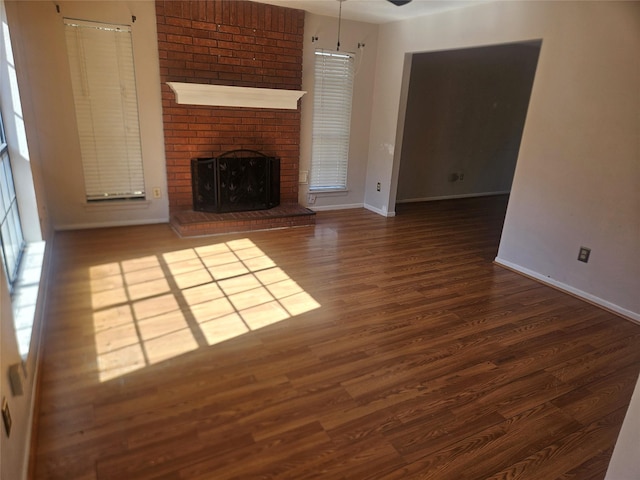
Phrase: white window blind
{"type": "Point", "coordinates": [104, 91]}
{"type": "Point", "coordinates": [333, 92]}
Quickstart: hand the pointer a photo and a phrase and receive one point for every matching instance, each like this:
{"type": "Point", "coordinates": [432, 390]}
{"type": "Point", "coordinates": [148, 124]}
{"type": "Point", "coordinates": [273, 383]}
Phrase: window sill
{"type": "Point", "coordinates": [329, 192]}
{"type": "Point", "coordinates": [117, 205]}
{"type": "Point", "coordinates": [25, 294]}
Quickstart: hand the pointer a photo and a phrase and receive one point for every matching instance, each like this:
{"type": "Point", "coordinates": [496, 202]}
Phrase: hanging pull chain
{"type": "Point", "coordinates": [339, 22]}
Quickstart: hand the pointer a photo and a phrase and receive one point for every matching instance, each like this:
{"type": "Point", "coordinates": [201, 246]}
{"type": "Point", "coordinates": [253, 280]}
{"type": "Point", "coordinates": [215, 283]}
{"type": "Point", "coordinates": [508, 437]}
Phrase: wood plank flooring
{"type": "Point", "coordinates": [362, 348]}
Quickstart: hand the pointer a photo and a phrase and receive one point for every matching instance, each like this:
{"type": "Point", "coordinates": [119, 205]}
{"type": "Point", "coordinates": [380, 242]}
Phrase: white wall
{"type": "Point", "coordinates": [25, 162]}
{"type": "Point", "coordinates": [14, 450]}
{"type": "Point", "coordinates": [352, 33]}
{"type": "Point", "coordinates": [624, 460]}
{"type": "Point", "coordinates": [43, 75]}
{"type": "Point", "coordinates": [577, 180]}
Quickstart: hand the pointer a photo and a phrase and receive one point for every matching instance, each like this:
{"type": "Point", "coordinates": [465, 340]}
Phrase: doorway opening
{"type": "Point", "coordinates": [463, 123]}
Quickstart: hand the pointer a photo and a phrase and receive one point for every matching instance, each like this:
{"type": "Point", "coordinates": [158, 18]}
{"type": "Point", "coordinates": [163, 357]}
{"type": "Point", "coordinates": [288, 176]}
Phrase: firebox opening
{"type": "Point", "coordinates": [236, 181]}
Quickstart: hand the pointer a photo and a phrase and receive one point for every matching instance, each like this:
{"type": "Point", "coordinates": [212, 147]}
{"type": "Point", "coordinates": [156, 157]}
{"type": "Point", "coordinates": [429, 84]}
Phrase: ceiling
{"type": "Point", "coordinates": [372, 11]}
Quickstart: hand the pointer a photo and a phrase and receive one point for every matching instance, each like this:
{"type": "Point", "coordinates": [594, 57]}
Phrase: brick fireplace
{"type": "Point", "coordinates": [236, 43]}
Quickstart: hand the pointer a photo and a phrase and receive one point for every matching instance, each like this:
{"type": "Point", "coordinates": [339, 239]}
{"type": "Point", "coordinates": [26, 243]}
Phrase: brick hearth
{"type": "Point", "coordinates": [189, 223]}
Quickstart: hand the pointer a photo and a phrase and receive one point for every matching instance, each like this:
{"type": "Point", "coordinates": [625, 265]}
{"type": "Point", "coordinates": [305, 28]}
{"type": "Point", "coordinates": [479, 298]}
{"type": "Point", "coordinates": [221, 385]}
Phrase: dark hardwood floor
{"type": "Point", "coordinates": [363, 347]}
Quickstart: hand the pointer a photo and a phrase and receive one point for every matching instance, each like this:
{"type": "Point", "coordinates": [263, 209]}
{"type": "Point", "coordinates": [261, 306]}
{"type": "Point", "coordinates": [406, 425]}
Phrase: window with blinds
{"type": "Point", "coordinates": [333, 91]}
{"type": "Point", "coordinates": [106, 104]}
{"type": "Point", "coordinates": [11, 238]}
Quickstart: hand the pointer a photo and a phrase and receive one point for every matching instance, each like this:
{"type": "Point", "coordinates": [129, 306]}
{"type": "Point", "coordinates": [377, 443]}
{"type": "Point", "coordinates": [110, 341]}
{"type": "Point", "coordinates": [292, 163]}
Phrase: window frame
{"type": "Point", "coordinates": [14, 224]}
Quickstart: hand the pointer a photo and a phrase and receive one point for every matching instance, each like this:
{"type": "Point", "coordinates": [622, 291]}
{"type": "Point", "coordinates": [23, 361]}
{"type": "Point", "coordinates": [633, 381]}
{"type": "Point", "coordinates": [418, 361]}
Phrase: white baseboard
{"type": "Point", "coordinates": [612, 307]}
{"type": "Point", "coordinates": [324, 208]}
{"type": "Point", "coordinates": [451, 197]}
{"type": "Point", "coordinates": [119, 223]}
{"type": "Point", "coordinates": [379, 211]}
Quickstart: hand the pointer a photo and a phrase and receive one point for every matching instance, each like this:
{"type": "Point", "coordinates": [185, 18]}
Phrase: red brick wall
{"type": "Point", "coordinates": [228, 42]}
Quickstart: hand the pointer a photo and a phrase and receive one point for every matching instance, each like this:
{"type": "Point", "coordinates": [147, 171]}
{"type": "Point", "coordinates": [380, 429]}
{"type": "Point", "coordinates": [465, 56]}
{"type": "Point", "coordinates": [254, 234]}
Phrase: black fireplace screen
{"type": "Point", "coordinates": [236, 181]}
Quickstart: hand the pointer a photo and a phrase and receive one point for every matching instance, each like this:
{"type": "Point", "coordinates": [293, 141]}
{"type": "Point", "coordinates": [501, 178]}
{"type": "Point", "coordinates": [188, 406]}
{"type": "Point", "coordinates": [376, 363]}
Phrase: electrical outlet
{"type": "Point", "coordinates": [157, 192]}
{"type": "Point", "coordinates": [378, 186]}
{"type": "Point", "coordinates": [584, 253]}
{"type": "Point", "coordinates": [461, 177]}
{"type": "Point", "coordinates": [311, 199]}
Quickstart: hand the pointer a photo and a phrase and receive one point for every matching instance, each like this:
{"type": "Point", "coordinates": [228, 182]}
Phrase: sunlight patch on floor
{"type": "Point", "coordinates": [153, 308]}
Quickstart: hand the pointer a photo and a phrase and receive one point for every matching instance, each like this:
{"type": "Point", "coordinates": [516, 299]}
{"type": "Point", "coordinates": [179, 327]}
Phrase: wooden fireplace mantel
{"type": "Point", "coordinates": [227, 96]}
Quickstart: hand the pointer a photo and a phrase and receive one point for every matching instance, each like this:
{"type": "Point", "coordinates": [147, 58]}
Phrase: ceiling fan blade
{"type": "Point", "coordinates": [399, 3]}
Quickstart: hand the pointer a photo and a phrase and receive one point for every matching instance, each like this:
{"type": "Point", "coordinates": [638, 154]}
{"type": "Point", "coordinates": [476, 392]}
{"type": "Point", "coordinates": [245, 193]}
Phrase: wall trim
{"type": "Point", "coordinates": [565, 288]}
{"type": "Point", "coordinates": [451, 197]}
{"type": "Point", "coordinates": [379, 211]}
{"type": "Point", "coordinates": [324, 208]}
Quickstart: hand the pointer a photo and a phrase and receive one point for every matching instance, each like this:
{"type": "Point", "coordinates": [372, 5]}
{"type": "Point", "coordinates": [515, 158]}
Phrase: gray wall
{"type": "Point", "coordinates": [465, 114]}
